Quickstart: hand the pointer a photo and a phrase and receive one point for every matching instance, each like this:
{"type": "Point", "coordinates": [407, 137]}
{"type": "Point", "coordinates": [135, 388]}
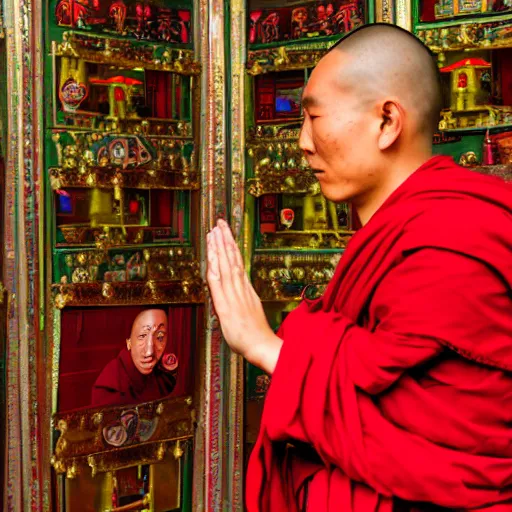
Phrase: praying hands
{"type": "Point", "coordinates": [238, 307]}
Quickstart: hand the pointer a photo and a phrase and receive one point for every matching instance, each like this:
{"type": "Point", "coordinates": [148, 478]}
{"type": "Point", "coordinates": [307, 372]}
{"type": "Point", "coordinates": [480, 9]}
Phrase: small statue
{"type": "Point", "coordinates": [262, 383]}
{"type": "Point", "coordinates": [270, 27]}
{"type": "Point", "coordinates": [448, 122]}
{"type": "Point", "coordinates": [136, 268]}
{"type": "Point", "coordinates": [468, 159]}
{"type": "Point", "coordinates": [117, 12]}
{"type": "Point", "coordinates": [80, 22]}
{"type": "Point", "coordinates": [253, 29]}
{"type": "Point", "coordinates": [299, 19]}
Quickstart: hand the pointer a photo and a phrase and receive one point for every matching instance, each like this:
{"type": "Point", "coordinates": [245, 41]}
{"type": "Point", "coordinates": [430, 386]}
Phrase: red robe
{"type": "Point", "coordinates": [395, 387]}
{"type": "Point", "coordinates": [120, 383]}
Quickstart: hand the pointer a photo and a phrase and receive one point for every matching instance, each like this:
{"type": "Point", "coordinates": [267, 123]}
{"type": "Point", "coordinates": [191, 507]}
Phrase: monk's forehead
{"type": "Point", "coordinates": [152, 318]}
{"type": "Point", "coordinates": [328, 78]}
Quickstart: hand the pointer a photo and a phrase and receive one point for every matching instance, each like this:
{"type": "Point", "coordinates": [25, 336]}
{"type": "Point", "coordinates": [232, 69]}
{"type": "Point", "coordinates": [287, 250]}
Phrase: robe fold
{"type": "Point", "coordinates": [394, 389]}
{"type": "Point", "coordinates": [120, 383]}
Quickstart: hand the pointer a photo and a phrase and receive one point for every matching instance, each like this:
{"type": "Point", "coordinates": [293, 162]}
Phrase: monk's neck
{"type": "Point", "coordinates": [398, 173]}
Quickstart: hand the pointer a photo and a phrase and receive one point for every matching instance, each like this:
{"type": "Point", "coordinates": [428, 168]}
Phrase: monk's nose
{"type": "Point", "coordinates": [148, 352]}
{"type": "Point", "coordinates": [305, 138]}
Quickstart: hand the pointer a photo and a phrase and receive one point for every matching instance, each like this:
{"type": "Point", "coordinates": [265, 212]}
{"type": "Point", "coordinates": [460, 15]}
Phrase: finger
{"type": "Point", "coordinates": [224, 263]}
{"type": "Point", "coordinates": [229, 239]}
{"type": "Point", "coordinates": [214, 279]}
{"type": "Point", "coordinates": [246, 287]}
{"type": "Point", "coordinates": [235, 258]}
{"type": "Point", "coordinates": [237, 269]}
{"type": "Point", "coordinates": [212, 256]}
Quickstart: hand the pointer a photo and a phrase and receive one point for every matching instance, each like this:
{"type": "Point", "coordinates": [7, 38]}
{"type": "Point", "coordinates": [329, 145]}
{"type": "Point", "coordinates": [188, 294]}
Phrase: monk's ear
{"type": "Point", "coordinates": [392, 122]}
{"type": "Point", "coordinates": [128, 343]}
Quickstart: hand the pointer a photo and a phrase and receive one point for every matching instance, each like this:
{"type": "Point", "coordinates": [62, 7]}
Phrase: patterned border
{"type": "Point", "coordinates": [82, 438]}
{"type": "Point", "coordinates": [287, 58]}
{"type": "Point", "coordinates": [403, 14]}
{"type": "Point", "coordinates": [238, 144]}
{"type": "Point", "coordinates": [385, 11]}
{"type": "Point", "coordinates": [468, 35]}
{"type": "Point", "coordinates": [104, 50]}
{"type": "Point", "coordinates": [211, 451]}
{"type": "Point", "coordinates": [28, 477]}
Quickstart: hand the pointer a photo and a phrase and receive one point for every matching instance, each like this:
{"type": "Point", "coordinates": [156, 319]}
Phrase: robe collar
{"type": "Point", "coordinates": [137, 380]}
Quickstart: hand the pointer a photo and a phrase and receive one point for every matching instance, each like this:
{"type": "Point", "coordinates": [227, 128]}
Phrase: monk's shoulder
{"type": "Point", "coordinates": [460, 217]}
{"type": "Point", "coordinates": [110, 375]}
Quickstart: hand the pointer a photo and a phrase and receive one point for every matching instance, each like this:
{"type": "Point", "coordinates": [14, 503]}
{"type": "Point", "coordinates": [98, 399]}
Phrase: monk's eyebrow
{"type": "Point", "coordinates": [162, 325]}
{"type": "Point", "coordinates": [309, 101]}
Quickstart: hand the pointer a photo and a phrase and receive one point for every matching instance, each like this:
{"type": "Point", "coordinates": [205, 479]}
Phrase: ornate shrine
{"type": "Point", "coordinates": [127, 128]}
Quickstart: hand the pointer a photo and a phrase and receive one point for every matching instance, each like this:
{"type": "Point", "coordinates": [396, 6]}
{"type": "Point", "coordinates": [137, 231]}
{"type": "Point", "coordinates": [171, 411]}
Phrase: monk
{"type": "Point", "coordinates": [393, 391]}
{"type": "Point", "coordinates": [141, 372]}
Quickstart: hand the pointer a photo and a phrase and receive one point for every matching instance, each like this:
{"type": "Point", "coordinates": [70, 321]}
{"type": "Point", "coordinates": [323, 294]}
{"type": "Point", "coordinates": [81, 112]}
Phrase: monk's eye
{"type": "Point", "coordinates": [142, 336]}
{"type": "Point", "coordinates": [160, 336]}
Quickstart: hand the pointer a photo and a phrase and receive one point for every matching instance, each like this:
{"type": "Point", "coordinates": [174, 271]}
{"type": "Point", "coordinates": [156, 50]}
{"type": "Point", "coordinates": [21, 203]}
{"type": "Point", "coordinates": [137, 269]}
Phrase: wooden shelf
{"type": "Point", "coordinates": [467, 34]}
{"type": "Point", "coordinates": [305, 43]}
{"type": "Point", "coordinates": [128, 293]}
{"type": "Point", "coordinates": [479, 129]}
{"type": "Point", "coordinates": [472, 18]}
{"type": "Point", "coordinates": [111, 177]}
{"type": "Point", "coordinates": [125, 53]}
{"type": "Point", "coordinates": [502, 171]}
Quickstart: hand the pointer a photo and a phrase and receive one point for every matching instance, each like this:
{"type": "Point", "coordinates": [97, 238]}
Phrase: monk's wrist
{"type": "Point", "coordinates": [264, 353]}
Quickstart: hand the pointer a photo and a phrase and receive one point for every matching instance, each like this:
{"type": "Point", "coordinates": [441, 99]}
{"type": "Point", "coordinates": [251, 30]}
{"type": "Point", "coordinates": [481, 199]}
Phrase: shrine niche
{"type": "Point", "coordinates": [123, 170]}
{"type": "Point", "coordinates": [123, 189]}
{"type": "Point", "coordinates": [304, 21]}
{"type": "Point", "coordinates": [149, 20]}
{"type": "Point", "coordinates": [431, 10]}
{"type": "Point", "coordinates": [118, 357]}
{"type": "Point", "coordinates": [474, 58]}
{"type": "Point", "coordinates": [97, 96]}
{"type": "Point", "coordinates": [124, 408]}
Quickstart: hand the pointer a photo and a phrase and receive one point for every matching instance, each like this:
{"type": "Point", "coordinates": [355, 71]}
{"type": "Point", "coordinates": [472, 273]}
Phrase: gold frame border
{"type": "Point", "coordinates": [384, 11]}
{"type": "Point", "coordinates": [238, 53]}
{"type": "Point", "coordinates": [28, 442]}
{"type": "Point", "coordinates": [403, 14]}
{"type": "Point", "coordinates": [210, 446]}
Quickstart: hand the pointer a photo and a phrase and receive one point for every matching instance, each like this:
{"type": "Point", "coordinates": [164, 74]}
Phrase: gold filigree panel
{"type": "Point", "coordinates": [105, 439]}
{"type": "Point", "coordinates": [285, 277]}
{"type": "Point", "coordinates": [128, 54]}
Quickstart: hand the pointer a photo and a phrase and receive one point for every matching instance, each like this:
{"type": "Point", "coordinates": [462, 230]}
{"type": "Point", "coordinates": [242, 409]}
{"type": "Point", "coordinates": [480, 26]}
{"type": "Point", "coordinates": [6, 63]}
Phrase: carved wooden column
{"type": "Point", "coordinates": [212, 449]}
{"type": "Point", "coordinates": [28, 471]}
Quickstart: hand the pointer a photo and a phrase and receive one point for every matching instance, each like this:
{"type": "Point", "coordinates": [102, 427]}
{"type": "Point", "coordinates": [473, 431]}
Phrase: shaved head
{"type": "Point", "coordinates": [385, 60]}
{"type": "Point", "coordinates": [371, 106]}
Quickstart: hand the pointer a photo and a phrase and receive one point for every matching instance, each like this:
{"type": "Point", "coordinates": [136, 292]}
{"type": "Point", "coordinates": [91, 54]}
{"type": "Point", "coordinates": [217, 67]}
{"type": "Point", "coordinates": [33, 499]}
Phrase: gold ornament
{"type": "Point", "coordinates": [107, 290]}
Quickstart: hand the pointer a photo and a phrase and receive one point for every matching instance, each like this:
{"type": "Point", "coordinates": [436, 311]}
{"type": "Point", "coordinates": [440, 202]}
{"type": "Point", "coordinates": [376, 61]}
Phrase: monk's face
{"type": "Point", "coordinates": [148, 340]}
{"type": "Point", "coordinates": [339, 133]}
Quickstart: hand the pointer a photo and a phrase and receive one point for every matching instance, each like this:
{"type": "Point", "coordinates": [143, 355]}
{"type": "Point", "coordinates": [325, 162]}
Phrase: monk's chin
{"type": "Point", "coordinates": [146, 370]}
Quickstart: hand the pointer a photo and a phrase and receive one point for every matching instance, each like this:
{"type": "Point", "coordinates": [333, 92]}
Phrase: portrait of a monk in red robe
{"type": "Point", "coordinates": [142, 371]}
{"type": "Point", "coordinates": [393, 390]}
